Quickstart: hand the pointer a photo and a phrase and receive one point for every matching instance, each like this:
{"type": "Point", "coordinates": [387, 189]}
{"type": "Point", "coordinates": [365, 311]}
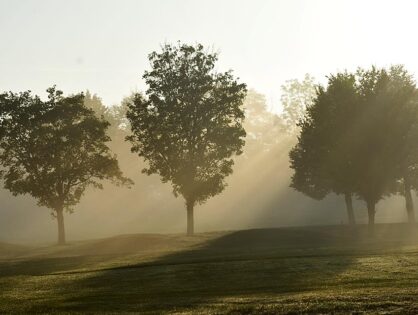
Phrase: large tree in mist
{"type": "Point", "coordinates": [189, 124]}
{"type": "Point", "coordinates": [323, 158]}
{"type": "Point", "coordinates": [376, 146]}
{"type": "Point", "coordinates": [53, 150]}
{"type": "Point", "coordinates": [390, 128]}
{"type": "Point", "coordinates": [360, 137]}
{"type": "Point", "coordinates": [404, 130]}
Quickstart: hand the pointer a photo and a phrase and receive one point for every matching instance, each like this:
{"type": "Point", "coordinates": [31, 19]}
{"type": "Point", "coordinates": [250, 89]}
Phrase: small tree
{"type": "Point", "coordinates": [263, 127]}
{"type": "Point", "coordinates": [189, 124]}
{"type": "Point", "coordinates": [54, 150]}
{"type": "Point", "coordinates": [296, 97]}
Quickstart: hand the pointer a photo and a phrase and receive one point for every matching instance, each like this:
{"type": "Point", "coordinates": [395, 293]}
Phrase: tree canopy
{"type": "Point", "coordinates": [297, 96]}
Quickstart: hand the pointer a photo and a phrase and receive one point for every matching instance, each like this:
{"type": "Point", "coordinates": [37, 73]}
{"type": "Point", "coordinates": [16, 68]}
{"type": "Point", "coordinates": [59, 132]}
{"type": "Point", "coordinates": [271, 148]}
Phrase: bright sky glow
{"type": "Point", "coordinates": [103, 45]}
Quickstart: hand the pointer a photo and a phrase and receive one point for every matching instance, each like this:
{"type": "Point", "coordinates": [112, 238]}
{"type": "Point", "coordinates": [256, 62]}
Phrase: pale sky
{"type": "Point", "coordinates": [103, 45]}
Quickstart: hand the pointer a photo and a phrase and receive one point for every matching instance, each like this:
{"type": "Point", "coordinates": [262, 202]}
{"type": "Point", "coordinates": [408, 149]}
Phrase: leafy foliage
{"type": "Point", "coordinates": [359, 137]}
{"type": "Point", "coordinates": [189, 123]}
{"type": "Point", "coordinates": [322, 158]}
{"type": "Point", "coordinates": [54, 150]}
{"type": "Point", "coordinates": [296, 97]}
{"type": "Point", "coordinates": [263, 127]}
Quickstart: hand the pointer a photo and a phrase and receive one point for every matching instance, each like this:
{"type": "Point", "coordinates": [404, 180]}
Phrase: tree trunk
{"type": "Point", "coordinates": [409, 205]}
{"type": "Point", "coordinates": [61, 229]}
{"type": "Point", "coordinates": [350, 211]}
{"type": "Point", "coordinates": [371, 211]}
{"type": "Point", "coordinates": [190, 220]}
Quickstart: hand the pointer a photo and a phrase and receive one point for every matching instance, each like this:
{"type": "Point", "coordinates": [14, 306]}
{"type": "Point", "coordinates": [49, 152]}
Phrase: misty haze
{"type": "Point", "coordinates": [210, 157]}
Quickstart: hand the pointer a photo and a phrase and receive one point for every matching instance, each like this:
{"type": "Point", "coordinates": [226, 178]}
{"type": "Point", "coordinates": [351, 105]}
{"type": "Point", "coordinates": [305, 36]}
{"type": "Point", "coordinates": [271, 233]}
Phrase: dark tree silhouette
{"type": "Point", "coordinates": [323, 158]}
{"type": "Point", "coordinates": [189, 124]}
{"type": "Point", "coordinates": [378, 156]}
{"type": "Point", "coordinates": [54, 150]}
{"type": "Point", "coordinates": [359, 137]}
{"type": "Point", "coordinates": [402, 139]}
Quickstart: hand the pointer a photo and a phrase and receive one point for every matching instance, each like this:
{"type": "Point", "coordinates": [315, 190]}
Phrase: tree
{"type": "Point", "coordinates": [94, 102]}
{"type": "Point", "coordinates": [114, 115]}
{"type": "Point", "coordinates": [189, 124]}
{"type": "Point", "coordinates": [360, 138]}
{"type": "Point", "coordinates": [263, 127]}
{"type": "Point", "coordinates": [377, 162]}
{"type": "Point", "coordinates": [403, 136]}
{"type": "Point", "coordinates": [323, 158]}
{"type": "Point", "coordinates": [54, 150]}
{"type": "Point", "coordinates": [296, 97]}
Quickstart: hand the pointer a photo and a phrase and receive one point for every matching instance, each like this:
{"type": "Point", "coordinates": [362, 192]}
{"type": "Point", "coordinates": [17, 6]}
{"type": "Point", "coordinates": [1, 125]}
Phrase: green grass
{"type": "Point", "coordinates": [289, 270]}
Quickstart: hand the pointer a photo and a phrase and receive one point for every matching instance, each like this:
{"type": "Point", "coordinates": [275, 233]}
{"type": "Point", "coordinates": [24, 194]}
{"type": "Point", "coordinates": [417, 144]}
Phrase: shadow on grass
{"type": "Point", "coordinates": [242, 263]}
{"type": "Point", "coordinates": [80, 255]}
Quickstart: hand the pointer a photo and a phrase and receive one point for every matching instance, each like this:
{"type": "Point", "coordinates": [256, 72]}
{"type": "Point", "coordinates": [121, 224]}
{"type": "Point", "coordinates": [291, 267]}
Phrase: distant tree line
{"type": "Point", "coordinates": [359, 138]}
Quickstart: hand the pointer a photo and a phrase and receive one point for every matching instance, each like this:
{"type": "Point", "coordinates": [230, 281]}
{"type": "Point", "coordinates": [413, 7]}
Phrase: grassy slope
{"type": "Point", "coordinates": [307, 269]}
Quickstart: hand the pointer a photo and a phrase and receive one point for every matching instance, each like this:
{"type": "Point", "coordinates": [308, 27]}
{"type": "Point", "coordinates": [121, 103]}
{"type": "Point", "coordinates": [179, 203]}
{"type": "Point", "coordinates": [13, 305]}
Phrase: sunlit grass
{"type": "Point", "coordinates": [259, 271]}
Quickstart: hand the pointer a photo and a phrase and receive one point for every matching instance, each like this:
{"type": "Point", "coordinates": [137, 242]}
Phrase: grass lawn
{"type": "Point", "coordinates": [331, 269]}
